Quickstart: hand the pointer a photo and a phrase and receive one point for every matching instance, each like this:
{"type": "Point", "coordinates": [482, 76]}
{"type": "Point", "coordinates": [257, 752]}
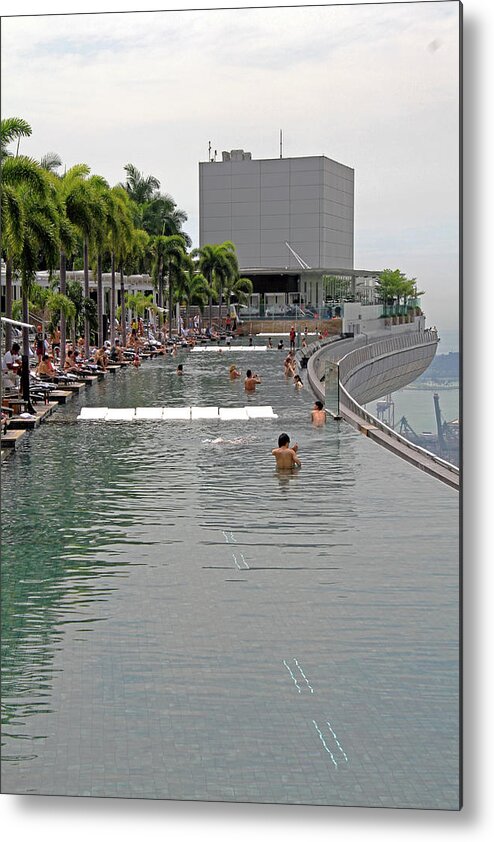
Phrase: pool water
{"type": "Point", "coordinates": [180, 621]}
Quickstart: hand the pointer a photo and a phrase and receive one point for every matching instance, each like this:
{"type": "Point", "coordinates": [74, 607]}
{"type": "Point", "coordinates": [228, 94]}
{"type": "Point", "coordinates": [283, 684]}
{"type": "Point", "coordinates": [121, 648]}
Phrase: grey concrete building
{"type": "Point", "coordinates": [261, 205]}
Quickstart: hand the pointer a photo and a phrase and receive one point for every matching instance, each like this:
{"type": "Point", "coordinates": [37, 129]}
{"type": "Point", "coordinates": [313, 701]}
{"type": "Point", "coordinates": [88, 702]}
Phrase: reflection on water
{"type": "Point", "coordinates": [156, 577]}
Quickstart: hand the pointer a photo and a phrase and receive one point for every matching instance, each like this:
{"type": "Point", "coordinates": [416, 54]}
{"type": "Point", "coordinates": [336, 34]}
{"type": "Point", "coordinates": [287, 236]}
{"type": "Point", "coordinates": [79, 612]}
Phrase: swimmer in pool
{"type": "Point", "coordinates": [180, 370]}
{"type": "Point", "coordinates": [234, 372]}
{"type": "Point", "coordinates": [286, 456]}
{"type": "Point", "coordinates": [318, 414]}
{"type": "Point", "coordinates": [250, 381]}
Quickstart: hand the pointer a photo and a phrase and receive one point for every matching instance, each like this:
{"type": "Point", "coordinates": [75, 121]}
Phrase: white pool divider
{"type": "Point", "coordinates": [149, 413]}
{"type": "Point", "coordinates": [92, 413]}
{"type": "Point", "coordinates": [199, 412]}
{"type": "Point", "coordinates": [260, 412]}
{"type": "Point", "coordinates": [120, 415]}
{"type": "Point", "coordinates": [223, 349]}
{"type": "Point", "coordinates": [176, 413]}
{"type": "Point", "coordinates": [233, 414]}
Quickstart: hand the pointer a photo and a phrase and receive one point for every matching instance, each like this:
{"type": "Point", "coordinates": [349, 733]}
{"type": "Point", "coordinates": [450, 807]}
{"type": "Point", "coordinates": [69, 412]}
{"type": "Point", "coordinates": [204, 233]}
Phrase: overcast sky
{"type": "Point", "coordinates": [374, 86]}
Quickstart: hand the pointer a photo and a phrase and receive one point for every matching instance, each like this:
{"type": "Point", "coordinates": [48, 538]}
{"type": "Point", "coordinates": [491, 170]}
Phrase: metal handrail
{"type": "Point", "coordinates": [376, 422]}
{"type": "Point", "coordinates": [354, 359]}
{"type": "Point", "coordinates": [374, 351]}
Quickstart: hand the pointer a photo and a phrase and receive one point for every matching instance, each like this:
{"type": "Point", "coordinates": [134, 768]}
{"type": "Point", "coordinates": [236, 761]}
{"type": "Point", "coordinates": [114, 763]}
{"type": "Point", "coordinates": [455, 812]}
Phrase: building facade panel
{"type": "Point", "coordinates": [250, 255]}
{"type": "Point", "coordinates": [274, 179]}
{"type": "Point", "coordinates": [275, 166]}
{"type": "Point", "coordinates": [278, 193]}
{"type": "Point", "coordinates": [305, 178]}
{"type": "Point", "coordinates": [305, 220]}
{"type": "Point", "coordinates": [272, 221]}
{"type": "Point", "coordinates": [242, 223]}
{"type": "Point", "coordinates": [242, 180]}
{"type": "Point", "coordinates": [247, 194]}
{"type": "Point", "coordinates": [247, 236]}
{"type": "Point", "coordinates": [244, 209]}
{"type": "Point", "coordinates": [305, 192]}
{"type": "Point", "coordinates": [306, 163]}
{"type": "Point", "coordinates": [217, 209]}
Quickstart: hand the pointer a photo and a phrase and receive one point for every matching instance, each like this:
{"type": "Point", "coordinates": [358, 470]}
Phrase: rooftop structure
{"type": "Point", "coordinates": [281, 213]}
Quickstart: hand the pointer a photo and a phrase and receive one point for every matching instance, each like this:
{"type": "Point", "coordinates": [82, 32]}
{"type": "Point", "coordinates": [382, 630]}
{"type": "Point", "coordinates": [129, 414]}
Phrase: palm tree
{"type": "Point", "coordinates": [218, 263]}
{"type": "Point", "coordinates": [15, 172]}
{"type": "Point", "coordinates": [162, 217]}
{"type": "Point", "coordinates": [138, 303]}
{"type": "Point", "coordinates": [170, 258]}
{"type": "Point", "coordinates": [51, 161]}
{"type": "Point", "coordinates": [193, 288]}
{"type": "Point", "coordinates": [107, 224]}
{"type": "Point", "coordinates": [131, 253]}
{"type": "Point", "coordinates": [238, 287]}
{"type": "Point", "coordinates": [156, 212]}
{"type": "Point", "coordinates": [12, 128]}
{"type": "Point", "coordinates": [141, 188]}
{"type": "Point", "coordinates": [77, 213]}
{"type": "Point", "coordinates": [30, 224]}
{"type": "Point", "coordinates": [41, 236]}
{"type": "Point", "coordinates": [119, 235]}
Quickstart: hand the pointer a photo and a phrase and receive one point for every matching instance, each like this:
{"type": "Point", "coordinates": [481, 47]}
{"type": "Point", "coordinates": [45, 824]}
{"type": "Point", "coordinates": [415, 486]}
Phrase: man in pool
{"type": "Point", "coordinates": [250, 381]}
{"type": "Point", "coordinates": [286, 456]}
{"type": "Point", "coordinates": [318, 414]}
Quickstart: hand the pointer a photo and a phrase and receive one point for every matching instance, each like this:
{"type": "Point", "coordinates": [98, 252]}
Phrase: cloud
{"type": "Point", "coordinates": [360, 84]}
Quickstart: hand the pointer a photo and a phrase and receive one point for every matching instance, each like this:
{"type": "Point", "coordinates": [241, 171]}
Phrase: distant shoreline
{"type": "Point", "coordinates": [433, 385]}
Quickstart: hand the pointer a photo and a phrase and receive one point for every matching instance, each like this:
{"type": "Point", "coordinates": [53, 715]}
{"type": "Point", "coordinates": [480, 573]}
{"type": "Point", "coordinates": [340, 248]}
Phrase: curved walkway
{"type": "Point", "coordinates": [352, 355]}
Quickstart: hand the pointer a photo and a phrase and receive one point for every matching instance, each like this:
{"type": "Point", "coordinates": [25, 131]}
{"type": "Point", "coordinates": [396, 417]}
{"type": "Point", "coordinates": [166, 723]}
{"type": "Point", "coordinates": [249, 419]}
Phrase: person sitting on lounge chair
{"type": "Point", "coordinates": [71, 364]}
{"type": "Point", "coordinates": [101, 359]}
{"type": "Point", "coordinates": [46, 369]}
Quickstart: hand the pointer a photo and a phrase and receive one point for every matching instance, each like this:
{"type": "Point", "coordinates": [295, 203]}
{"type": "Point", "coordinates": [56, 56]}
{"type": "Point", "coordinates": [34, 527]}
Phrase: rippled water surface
{"type": "Point", "coordinates": [180, 621]}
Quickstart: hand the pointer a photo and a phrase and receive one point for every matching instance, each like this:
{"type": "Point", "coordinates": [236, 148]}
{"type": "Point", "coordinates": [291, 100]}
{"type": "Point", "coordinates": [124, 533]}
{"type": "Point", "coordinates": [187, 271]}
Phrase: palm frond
{"type": "Point", "coordinates": [51, 161]}
{"type": "Point", "coordinates": [11, 129]}
{"type": "Point", "coordinates": [25, 171]}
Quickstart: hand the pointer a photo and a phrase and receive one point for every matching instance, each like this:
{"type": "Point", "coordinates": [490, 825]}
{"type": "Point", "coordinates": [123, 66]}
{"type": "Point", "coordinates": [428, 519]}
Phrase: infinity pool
{"type": "Point", "coordinates": [180, 621]}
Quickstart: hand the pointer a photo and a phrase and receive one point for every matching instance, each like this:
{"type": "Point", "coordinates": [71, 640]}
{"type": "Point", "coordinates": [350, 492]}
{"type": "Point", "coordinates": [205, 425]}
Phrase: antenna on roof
{"type": "Point", "coordinates": [281, 143]}
{"type": "Point", "coordinates": [209, 152]}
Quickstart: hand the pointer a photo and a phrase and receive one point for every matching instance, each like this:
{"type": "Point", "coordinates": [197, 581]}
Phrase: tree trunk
{"type": "Point", "coordinates": [210, 311]}
{"type": "Point", "coordinates": [122, 308]}
{"type": "Point", "coordinates": [100, 301]}
{"type": "Point", "coordinates": [170, 304]}
{"type": "Point", "coordinates": [8, 302]}
{"type": "Point", "coordinates": [219, 306]}
{"type": "Point", "coordinates": [161, 319]}
{"type": "Point", "coordinates": [63, 322]}
{"type": "Point", "coordinates": [87, 328]}
{"type": "Point", "coordinates": [25, 347]}
{"type": "Point", "coordinates": [113, 305]}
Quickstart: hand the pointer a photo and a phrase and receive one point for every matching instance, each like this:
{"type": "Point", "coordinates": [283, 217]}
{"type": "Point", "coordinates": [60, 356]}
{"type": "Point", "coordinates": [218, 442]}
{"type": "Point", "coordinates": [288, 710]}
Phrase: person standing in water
{"type": "Point", "coordinates": [250, 381]}
{"type": "Point", "coordinates": [318, 414]}
{"type": "Point", "coordinates": [286, 456]}
{"type": "Point", "coordinates": [234, 372]}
